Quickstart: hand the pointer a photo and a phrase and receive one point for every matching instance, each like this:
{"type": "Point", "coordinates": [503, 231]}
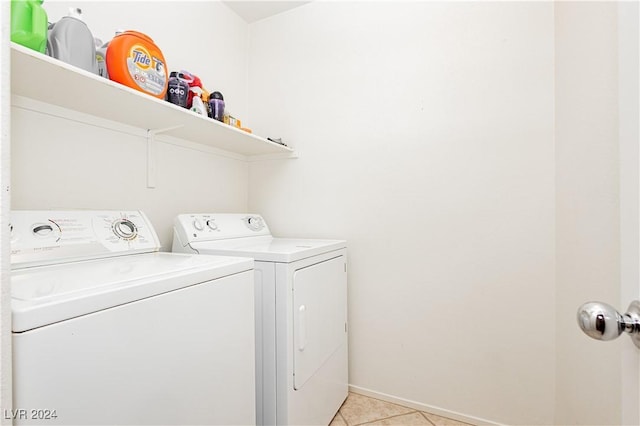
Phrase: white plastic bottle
{"type": "Point", "coordinates": [197, 105]}
{"type": "Point", "coordinates": [101, 57]}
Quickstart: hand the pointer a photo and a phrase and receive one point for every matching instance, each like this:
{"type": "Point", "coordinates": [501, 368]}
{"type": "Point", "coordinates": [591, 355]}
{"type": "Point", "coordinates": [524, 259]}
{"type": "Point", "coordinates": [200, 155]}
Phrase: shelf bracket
{"type": "Point", "coordinates": [152, 171]}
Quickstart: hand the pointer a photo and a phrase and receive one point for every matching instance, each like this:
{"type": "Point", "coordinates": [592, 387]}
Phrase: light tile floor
{"type": "Point", "coordinates": [362, 410]}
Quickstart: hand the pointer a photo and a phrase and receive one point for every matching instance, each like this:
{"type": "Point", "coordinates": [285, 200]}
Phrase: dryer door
{"type": "Point", "coordinates": [320, 316]}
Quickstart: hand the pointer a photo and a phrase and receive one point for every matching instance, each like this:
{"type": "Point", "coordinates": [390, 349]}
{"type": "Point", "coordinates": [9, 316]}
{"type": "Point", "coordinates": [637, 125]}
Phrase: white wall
{"type": "Point", "coordinates": [588, 215]}
{"type": "Point", "coordinates": [425, 131]}
{"type": "Point", "coordinates": [61, 163]}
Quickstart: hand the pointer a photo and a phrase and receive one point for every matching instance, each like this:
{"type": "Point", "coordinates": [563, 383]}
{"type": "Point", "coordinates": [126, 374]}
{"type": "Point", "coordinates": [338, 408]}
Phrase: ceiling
{"type": "Point", "coordinates": [252, 11]}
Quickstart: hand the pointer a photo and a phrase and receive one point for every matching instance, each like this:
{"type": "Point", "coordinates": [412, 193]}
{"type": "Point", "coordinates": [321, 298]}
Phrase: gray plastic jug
{"type": "Point", "coordinates": [101, 55]}
{"type": "Point", "coordinates": [71, 41]}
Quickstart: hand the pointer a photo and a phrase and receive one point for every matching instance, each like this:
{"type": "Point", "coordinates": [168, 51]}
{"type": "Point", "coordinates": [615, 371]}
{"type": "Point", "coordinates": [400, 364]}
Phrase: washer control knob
{"type": "Point", "coordinates": [212, 225]}
{"type": "Point", "coordinates": [197, 223]}
{"type": "Point", "coordinates": [125, 229]}
{"type": "Point", "coordinates": [254, 223]}
{"type": "Point", "coordinates": [42, 229]}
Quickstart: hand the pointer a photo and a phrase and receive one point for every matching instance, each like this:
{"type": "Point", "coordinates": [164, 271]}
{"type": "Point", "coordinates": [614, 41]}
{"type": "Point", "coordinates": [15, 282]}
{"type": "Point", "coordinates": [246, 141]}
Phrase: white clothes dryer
{"type": "Point", "coordinates": [301, 313]}
{"type": "Point", "coordinates": [107, 330]}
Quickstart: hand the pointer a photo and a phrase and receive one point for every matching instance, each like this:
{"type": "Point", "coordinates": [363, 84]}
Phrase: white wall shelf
{"type": "Point", "coordinates": [48, 80]}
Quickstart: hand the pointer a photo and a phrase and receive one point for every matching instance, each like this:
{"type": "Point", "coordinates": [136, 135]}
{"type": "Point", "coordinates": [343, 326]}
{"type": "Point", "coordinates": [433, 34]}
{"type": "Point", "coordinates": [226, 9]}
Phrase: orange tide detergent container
{"type": "Point", "coordinates": [134, 60]}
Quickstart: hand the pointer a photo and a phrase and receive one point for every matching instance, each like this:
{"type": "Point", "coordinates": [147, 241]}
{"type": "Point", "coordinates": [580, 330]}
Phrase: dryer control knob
{"type": "Point", "coordinates": [254, 223]}
{"type": "Point", "coordinates": [198, 224]}
{"type": "Point", "coordinates": [212, 225]}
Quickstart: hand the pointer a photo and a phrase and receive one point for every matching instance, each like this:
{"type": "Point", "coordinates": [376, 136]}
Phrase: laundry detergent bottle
{"type": "Point", "coordinates": [216, 106]}
{"type": "Point", "coordinates": [71, 41]}
{"type": "Point", "coordinates": [29, 24]}
{"type": "Point", "coordinates": [134, 60]}
{"type": "Point", "coordinates": [178, 90]}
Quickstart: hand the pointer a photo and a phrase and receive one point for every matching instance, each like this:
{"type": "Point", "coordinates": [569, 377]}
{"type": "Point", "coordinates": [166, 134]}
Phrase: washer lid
{"type": "Point", "coordinates": [47, 294]}
{"type": "Point", "coordinates": [269, 249]}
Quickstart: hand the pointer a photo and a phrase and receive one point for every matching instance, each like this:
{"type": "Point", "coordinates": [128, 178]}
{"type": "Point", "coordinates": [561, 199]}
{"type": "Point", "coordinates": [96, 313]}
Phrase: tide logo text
{"type": "Point", "coordinates": [141, 58]}
{"type": "Point", "coordinates": [144, 60]}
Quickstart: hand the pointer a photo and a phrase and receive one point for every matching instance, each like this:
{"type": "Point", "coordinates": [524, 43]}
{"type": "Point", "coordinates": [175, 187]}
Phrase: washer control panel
{"type": "Point", "coordinates": [217, 226]}
{"type": "Point", "coordinates": [53, 236]}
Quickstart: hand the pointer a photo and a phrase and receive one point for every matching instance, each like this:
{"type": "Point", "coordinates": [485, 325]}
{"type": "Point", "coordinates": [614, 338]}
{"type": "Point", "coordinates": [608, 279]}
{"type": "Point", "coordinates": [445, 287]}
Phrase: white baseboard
{"type": "Point", "coordinates": [422, 407]}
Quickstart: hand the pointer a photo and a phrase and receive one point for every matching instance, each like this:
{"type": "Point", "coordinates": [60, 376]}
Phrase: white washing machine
{"type": "Point", "coordinates": [108, 330]}
{"type": "Point", "coordinates": [301, 313]}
